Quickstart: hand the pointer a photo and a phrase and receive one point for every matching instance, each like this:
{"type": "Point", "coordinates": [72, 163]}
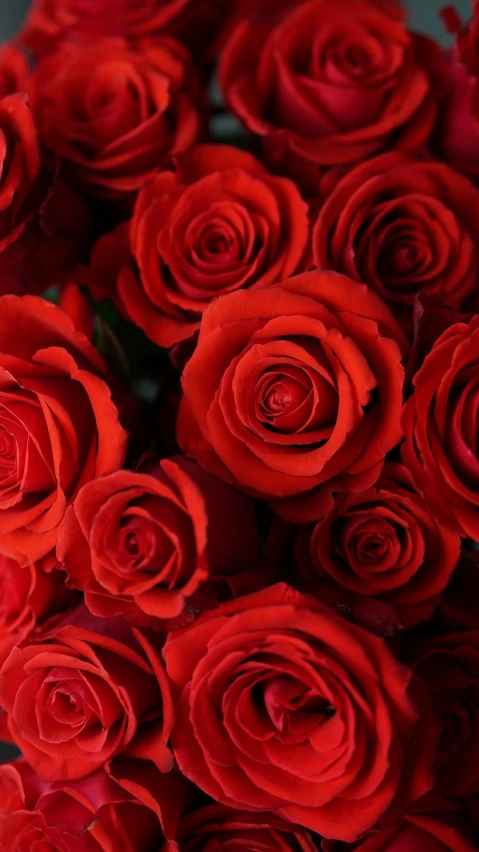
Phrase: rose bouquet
{"type": "Point", "coordinates": [239, 428]}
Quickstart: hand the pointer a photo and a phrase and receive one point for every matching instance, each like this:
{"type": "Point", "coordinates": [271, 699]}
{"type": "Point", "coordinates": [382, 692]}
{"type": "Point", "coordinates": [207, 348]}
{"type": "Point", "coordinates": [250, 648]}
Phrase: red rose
{"type": "Point", "coordinates": [382, 543]}
{"type": "Point", "coordinates": [43, 224]}
{"type": "Point", "coordinates": [142, 543]}
{"type": "Point", "coordinates": [436, 825]}
{"type": "Point", "coordinates": [332, 84]}
{"type": "Point", "coordinates": [440, 422]}
{"type": "Point", "coordinates": [227, 827]}
{"type": "Point", "coordinates": [85, 691]}
{"type": "Point", "coordinates": [282, 705]}
{"type": "Point", "coordinates": [13, 69]}
{"type": "Point", "coordinates": [28, 596]}
{"type": "Point", "coordinates": [112, 115]}
{"type": "Point", "coordinates": [58, 425]}
{"type": "Point", "coordinates": [295, 392]}
{"type": "Point", "coordinates": [403, 226]}
{"type": "Point", "coordinates": [49, 22]}
{"type": "Point", "coordinates": [216, 224]}
{"type": "Point", "coordinates": [91, 815]}
{"type": "Point", "coordinates": [449, 666]}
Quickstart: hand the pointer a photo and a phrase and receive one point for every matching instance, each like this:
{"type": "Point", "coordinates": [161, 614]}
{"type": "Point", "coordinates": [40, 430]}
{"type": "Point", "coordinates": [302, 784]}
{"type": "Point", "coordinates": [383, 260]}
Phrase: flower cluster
{"type": "Point", "coordinates": [239, 428]}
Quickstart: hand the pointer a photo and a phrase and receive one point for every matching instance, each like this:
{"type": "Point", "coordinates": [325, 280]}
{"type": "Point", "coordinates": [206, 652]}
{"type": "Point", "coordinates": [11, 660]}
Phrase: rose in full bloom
{"type": "Point", "coordinates": [58, 424]}
{"type": "Point", "coordinates": [383, 543]}
{"type": "Point", "coordinates": [13, 69]}
{"type": "Point", "coordinates": [436, 825]}
{"type": "Point", "coordinates": [296, 391]}
{"type": "Point", "coordinates": [112, 114]}
{"type": "Point", "coordinates": [28, 596]}
{"type": "Point", "coordinates": [440, 423]}
{"type": "Point", "coordinates": [49, 22]}
{"type": "Point", "coordinates": [231, 828]}
{"type": "Point", "coordinates": [84, 691]}
{"type": "Point", "coordinates": [216, 224]}
{"type": "Point", "coordinates": [449, 666]}
{"type": "Point", "coordinates": [404, 226]}
{"type": "Point", "coordinates": [91, 815]}
{"type": "Point", "coordinates": [332, 84]}
{"type": "Point", "coordinates": [283, 705]}
{"type": "Point", "coordinates": [142, 543]}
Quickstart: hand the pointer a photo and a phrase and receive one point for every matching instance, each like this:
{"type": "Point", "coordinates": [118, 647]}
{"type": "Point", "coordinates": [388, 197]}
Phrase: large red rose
{"type": "Point", "coordinates": [58, 424]}
{"type": "Point", "coordinates": [332, 84]}
{"type": "Point", "coordinates": [404, 226]}
{"type": "Point", "coordinates": [436, 825]}
{"type": "Point", "coordinates": [296, 391]}
{"type": "Point", "coordinates": [84, 691]}
{"type": "Point", "coordinates": [449, 666]}
{"type": "Point", "coordinates": [383, 543]}
{"type": "Point", "coordinates": [283, 705]}
{"type": "Point", "coordinates": [91, 815]}
{"type": "Point", "coordinates": [28, 596]}
{"type": "Point", "coordinates": [216, 224]}
{"type": "Point", "coordinates": [143, 543]}
{"type": "Point", "coordinates": [112, 114]}
{"type": "Point", "coordinates": [440, 424]}
{"type": "Point", "coordinates": [229, 828]}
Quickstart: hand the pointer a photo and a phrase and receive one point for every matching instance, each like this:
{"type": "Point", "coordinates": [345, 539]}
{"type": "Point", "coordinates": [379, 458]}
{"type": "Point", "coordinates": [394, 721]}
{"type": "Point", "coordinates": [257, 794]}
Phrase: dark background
{"type": "Point", "coordinates": [424, 17]}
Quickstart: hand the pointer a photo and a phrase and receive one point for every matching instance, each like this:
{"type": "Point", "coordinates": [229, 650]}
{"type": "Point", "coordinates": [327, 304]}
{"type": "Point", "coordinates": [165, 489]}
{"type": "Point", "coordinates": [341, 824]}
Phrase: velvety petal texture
{"type": "Point", "coordinates": [112, 114]}
{"type": "Point", "coordinates": [440, 423]}
{"type": "Point", "coordinates": [84, 691]}
{"type": "Point", "coordinates": [143, 543]}
{"type": "Point", "coordinates": [404, 226]}
{"type": "Point", "coordinates": [282, 705]}
{"type": "Point", "coordinates": [217, 223]}
{"type": "Point", "coordinates": [295, 392]}
{"type": "Point", "coordinates": [332, 84]}
{"type": "Point", "coordinates": [91, 815]}
{"type": "Point", "coordinates": [382, 543]}
{"type": "Point", "coordinates": [59, 427]}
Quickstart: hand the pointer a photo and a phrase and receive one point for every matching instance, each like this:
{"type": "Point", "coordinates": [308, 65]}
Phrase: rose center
{"type": "Point", "coordinates": [65, 705]}
{"type": "Point", "coordinates": [293, 708]}
{"type": "Point", "coordinates": [293, 399]}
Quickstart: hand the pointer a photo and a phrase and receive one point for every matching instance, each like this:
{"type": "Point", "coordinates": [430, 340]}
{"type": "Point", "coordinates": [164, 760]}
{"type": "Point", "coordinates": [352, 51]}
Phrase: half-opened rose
{"type": "Point", "coordinates": [112, 114]}
{"type": "Point", "coordinates": [404, 226]}
{"type": "Point", "coordinates": [332, 84]}
{"type": "Point", "coordinates": [142, 543]}
{"type": "Point", "coordinates": [217, 223]}
{"type": "Point", "coordinates": [382, 542]}
{"type": "Point", "coordinates": [85, 691]}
